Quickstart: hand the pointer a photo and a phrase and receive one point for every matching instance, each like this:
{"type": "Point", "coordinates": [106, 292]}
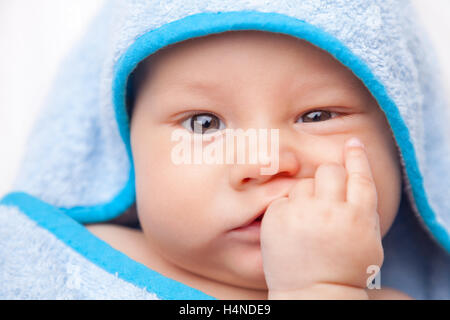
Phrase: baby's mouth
{"type": "Point", "coordinates": [255, 221]}
{"type": "Point", "coordinates": [249, 232]}
{"type": "Point", "coordinates": [260, 217]}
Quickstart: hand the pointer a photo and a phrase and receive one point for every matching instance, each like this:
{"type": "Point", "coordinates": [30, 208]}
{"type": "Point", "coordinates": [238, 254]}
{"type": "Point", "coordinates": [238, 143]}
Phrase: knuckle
{"type": "Point", "coordinates": [367, 196]}
{"type": "Point", "coordinates": [360, 218]}
{"type": "Point", "coordinates": [353, 211]}
{"type": "Point", "coordinates": [291, 219]}
{"type": "Point", "coordinates": [356, 152]}
{"type": "Point", "coordinates": [361, 179]}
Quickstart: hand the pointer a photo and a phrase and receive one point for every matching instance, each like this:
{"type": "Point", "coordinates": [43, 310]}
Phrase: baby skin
{"type": "Point", "coordinates": [333, 197]}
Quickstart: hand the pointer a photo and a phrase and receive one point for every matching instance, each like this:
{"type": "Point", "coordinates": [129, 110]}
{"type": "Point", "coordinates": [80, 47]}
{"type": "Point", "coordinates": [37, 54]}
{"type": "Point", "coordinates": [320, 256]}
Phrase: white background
{"type": "Point", "coordinates": [36, 34]}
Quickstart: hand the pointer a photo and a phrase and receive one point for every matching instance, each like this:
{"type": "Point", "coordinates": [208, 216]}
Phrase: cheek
{"type": "Point", "coordinates": [175, 201]}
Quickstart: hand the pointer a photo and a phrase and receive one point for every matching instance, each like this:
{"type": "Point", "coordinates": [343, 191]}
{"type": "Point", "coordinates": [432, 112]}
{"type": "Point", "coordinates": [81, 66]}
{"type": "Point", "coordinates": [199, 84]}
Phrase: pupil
{"type": "Point", "coordinates": [206, 121]}
{"type": "Point", "coordinates": [315, 116]}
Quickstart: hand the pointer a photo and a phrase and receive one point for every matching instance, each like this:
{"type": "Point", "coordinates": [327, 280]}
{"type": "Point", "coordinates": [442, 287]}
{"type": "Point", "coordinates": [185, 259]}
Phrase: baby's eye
{"type": "Point", "coordinates": [317, 116]}
{"type": "Point", "coordinates": [203, 123]}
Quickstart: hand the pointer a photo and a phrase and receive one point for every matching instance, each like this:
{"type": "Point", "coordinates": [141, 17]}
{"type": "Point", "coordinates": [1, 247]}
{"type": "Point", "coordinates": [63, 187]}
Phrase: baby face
{"type": "Point", "coordinates": [246, 79]}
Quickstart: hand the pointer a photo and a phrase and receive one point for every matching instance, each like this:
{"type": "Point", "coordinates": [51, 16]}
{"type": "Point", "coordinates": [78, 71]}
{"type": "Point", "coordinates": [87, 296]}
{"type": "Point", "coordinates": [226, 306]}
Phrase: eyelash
{"type": "Point", "coordinates": [317, 110]}
{"type": "Point", "coordinates": [199, 113]}
{"type": "Point", "coordinates": [188, 119]}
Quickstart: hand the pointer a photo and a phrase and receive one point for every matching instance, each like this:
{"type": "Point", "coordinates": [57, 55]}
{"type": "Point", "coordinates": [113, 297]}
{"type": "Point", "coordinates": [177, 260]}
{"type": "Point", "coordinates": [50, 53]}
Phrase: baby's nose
{"type": "Point", "coordinates": [243, 176]}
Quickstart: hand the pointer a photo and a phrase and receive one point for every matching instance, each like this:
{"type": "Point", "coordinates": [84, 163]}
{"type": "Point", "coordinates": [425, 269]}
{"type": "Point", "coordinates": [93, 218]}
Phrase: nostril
{"type": "Point", "coordinates": [245, 180]}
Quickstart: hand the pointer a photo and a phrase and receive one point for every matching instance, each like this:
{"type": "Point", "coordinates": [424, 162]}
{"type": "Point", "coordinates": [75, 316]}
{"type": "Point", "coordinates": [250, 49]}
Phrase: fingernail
{"type": "Point", "coordinates": [355, 142]}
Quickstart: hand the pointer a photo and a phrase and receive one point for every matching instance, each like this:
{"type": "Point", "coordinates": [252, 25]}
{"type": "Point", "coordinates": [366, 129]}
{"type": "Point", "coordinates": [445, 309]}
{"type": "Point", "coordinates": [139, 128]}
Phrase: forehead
{"type": "Point", "coordinates": [207, 63]}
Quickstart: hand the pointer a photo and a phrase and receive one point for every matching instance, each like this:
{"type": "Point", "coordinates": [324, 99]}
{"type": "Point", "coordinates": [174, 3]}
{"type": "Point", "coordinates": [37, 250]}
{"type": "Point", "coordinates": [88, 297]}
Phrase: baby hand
{"type": "Point", "coordinates": [326, 233]}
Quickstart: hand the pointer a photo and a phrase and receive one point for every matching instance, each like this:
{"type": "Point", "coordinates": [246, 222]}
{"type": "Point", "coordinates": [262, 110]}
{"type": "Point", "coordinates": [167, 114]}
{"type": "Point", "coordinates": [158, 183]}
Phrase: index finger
{"type": "Point", "coordinates": [361, 190]}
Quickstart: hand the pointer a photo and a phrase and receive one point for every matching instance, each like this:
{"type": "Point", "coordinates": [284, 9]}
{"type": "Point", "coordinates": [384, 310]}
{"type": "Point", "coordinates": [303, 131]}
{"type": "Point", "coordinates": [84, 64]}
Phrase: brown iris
{"type": "Point", "coordinates": [205, 122]}
{"type": "Point", "coordinates": [316, 116]}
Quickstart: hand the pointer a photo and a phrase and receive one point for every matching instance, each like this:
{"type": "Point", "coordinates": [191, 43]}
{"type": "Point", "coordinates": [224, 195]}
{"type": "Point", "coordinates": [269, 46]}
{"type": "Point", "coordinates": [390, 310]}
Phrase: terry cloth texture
{"type": "Point", "coordinates": [78, 165]}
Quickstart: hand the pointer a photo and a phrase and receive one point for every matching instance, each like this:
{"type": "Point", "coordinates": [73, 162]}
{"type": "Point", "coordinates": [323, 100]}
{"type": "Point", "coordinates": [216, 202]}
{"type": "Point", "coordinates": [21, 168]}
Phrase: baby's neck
{"type": "Point", "coordinates": [216, 289]}
{"type": "Point", "coordinates": [133, 243]}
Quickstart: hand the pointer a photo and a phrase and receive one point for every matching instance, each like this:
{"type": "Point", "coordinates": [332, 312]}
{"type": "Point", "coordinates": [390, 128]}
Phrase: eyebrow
{"type": "Point", "coordinates": [208, 89]}
{"type": "Point", "coordinates": [295, 85]}
{"type": "Point", "coordinates": [200, 85]}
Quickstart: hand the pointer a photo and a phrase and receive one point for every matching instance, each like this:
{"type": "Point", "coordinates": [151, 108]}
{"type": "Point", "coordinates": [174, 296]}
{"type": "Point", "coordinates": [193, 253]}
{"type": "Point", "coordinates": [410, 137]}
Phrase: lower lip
{"type": "Point", "coordinates": [249, 233]}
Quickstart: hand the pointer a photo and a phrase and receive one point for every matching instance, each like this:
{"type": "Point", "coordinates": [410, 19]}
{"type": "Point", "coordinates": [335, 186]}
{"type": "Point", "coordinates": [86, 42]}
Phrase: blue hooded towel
{"type": "Point", "coordinates": [78, 167]}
